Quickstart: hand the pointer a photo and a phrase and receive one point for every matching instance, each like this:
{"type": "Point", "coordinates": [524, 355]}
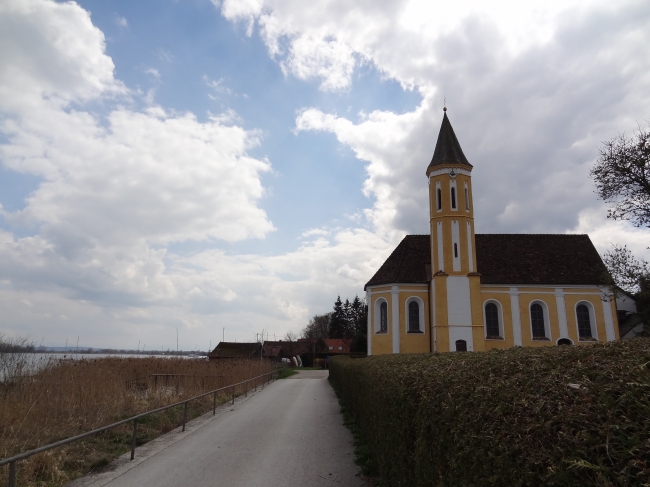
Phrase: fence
{"type": "Point", "coordinates": [269, 376]}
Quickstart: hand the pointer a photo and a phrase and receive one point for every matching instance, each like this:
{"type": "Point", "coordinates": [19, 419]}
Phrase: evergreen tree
{"type": "Point", "coordinates": [356, 311]}
{"type": "Point", "coordinates": [360, 344]}
{"type": "Point", "coordinates": [337, 320]}
{"type": "Point", "coordinates": [349, 317]}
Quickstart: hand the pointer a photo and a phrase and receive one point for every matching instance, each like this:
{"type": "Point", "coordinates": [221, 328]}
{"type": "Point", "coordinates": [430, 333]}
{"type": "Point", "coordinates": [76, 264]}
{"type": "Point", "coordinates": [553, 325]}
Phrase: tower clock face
{"type": "Point", "coordinates": [452, 173]}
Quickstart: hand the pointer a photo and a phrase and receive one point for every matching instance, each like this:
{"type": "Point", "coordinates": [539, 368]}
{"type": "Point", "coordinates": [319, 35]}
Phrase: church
{"type": "Point", "coordinates": [455, 290]}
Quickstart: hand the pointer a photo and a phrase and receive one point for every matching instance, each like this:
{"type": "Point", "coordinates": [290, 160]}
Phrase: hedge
{"type": "Point", "coordinates": [519, 417]}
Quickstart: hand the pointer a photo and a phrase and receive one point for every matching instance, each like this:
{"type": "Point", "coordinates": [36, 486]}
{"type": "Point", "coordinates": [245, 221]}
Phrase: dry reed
{"type": "Point", "coordinates": [67, 397]}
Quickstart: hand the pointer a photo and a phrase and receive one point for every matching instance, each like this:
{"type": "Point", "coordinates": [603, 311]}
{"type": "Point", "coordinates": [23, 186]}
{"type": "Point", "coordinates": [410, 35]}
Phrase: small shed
{"type": "Point", "coordinates": [273, 351]}
{"type": "Point", "coordinates": [234, 350]}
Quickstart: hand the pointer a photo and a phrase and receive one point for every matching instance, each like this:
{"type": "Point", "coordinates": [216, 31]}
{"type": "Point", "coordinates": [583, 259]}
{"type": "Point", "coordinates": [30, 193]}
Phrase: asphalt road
{"type": "Point", "coordinates": [289, 434]}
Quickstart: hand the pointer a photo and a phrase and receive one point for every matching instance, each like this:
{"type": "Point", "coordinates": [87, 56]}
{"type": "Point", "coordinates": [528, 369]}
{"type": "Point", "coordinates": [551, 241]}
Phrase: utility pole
{"type": "Point", "coordinates": [223, 336]}
{"type": "Point", "coordinates": [176, 340]}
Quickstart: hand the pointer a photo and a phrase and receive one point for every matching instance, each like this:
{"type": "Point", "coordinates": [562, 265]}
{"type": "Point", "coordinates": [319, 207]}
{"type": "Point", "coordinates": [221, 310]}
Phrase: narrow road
{"type": "Point", "coordinates": [289, 434]}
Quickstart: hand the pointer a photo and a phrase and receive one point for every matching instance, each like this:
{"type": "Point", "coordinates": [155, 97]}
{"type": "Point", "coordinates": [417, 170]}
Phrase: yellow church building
{"type": "Point", "coordinates": [454, 290]}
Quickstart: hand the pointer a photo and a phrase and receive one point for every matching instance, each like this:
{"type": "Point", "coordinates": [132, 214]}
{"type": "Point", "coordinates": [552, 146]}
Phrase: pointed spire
{"type": "Point", "coordinates": [448, 149]}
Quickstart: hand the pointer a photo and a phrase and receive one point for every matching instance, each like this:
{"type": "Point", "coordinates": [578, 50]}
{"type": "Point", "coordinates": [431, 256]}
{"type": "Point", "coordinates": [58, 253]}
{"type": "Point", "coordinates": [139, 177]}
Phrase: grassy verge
{"type": "Point", "coordinates": [65, 398]}
{"type": "Point", "coordinates": [557, 416]}
{"type": "Point", "coordinates": [287, 372]}
{"type": "Point", "coordinates": [362, 456]}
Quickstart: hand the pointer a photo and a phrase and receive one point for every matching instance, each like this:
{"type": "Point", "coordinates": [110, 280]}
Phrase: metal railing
{"type": "Point", "coordinates": [12, 460]}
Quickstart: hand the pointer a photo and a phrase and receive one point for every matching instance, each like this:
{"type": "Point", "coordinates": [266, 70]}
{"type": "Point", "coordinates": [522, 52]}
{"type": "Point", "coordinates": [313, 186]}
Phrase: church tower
{"type": "Point", "coordinates": [455, 287]}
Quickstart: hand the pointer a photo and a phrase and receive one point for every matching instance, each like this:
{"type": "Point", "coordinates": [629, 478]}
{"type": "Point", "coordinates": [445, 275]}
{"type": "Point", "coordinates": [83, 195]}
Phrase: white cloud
{"type": "Point", "coordinates": [606, 234]}
{"type": "Point", "coordinates": [218, 86]}
{"type": "Point", "coordinates": [115, 192]}
{"type": "Point", "coordinates": [69, 63]}
{"type": "Point", "coordinates": [153, 72]}
{"type": "Point", "coordinates": [241, 10]}
{"type": "Point", "coordinates": [329, 60]}
{"type": "Point", "coordinates": [530, 116]}
{"type": "Point", "coordinates": [315, 232]}
{"type": "Point", "coordinates": [121, 21]}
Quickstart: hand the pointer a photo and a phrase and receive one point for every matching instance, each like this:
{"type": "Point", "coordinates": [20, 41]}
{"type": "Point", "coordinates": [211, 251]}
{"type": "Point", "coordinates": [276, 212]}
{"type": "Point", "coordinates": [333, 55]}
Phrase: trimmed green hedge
{"type": "Point", "coordinates": [520, 417]}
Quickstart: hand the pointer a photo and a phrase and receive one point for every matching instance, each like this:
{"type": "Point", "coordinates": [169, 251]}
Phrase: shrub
{"type": "Point", "coordinates": [522, 417]}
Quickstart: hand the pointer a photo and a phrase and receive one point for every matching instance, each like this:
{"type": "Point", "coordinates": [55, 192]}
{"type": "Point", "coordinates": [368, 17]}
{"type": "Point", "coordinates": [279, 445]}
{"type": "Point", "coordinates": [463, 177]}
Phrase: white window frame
{"type": "Point", "coordinates": [377, 311]}
{"type": "Point", "coordinates": [592, 320]}
{"type": "Point", "coordinates": [547, 321]}
{"type": "Point", "coordinates": [466, 197]}
{"type": "Point", "coordinates": [500, 314]}
{"type": "Point", "coordinates": [421, 312]}
{"type": "Point", "coordinates": [438, 188]}
{"type": "Point", "coordinates": [455, 245]}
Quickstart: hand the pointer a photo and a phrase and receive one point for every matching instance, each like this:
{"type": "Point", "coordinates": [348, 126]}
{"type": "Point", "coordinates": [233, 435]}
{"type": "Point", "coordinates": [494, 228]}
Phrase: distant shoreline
{"type": "Point", "coordinates": [86, 351]}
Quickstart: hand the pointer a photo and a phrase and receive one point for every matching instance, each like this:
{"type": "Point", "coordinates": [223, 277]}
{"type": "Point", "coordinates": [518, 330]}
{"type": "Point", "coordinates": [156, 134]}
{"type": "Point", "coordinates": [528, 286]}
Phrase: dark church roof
{"type": "Point", "coordinates": [505, 259]}
{"type": "Point", "coordinates": [448, 149]}
{"type": "Point", "coordinates": [406, 263]}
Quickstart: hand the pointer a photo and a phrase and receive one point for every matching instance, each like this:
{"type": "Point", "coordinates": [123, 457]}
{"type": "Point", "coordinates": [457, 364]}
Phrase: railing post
{"type": "Point", "coordinates": [184, 415]}
{"type": "Point", "coordinates": [12, 474]}
{"type": "Point", "coordinates": [214, 404]}
{"type": "Point", "coordinates": [233, 395]}
{"type": "Point", "coordinates": [135, 432]}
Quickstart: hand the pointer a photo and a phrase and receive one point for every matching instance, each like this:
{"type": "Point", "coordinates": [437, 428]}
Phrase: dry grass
{"type": "Point", "coordinates": [65, 398]}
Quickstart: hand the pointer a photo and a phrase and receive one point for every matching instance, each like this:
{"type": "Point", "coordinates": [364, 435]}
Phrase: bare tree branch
{"type": "Point", "coordinates": [622, 177]}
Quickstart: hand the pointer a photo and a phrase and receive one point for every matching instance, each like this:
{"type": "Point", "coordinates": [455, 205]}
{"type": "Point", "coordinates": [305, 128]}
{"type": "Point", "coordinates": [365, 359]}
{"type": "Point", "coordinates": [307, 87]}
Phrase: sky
{"type": "Point", "coordinates": [225, 167]}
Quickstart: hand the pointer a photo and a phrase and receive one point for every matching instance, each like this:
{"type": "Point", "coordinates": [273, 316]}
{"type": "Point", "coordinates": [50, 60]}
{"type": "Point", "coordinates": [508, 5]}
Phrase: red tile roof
{"type": "Point", "coordinates": [344, 343]}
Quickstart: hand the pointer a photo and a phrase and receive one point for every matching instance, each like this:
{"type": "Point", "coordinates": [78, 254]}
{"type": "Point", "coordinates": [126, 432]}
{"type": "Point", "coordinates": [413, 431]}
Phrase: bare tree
{"type": "Point", "coordinates": [290, 337]}
{"type": "Point", "coordinates": [317, 327]}
{"type": "Point", "coordinates": [633, 276]}
{"type": "Point", "coordinates": [622, 177]}
{"type": "Point", "coordinates": [628, 273]}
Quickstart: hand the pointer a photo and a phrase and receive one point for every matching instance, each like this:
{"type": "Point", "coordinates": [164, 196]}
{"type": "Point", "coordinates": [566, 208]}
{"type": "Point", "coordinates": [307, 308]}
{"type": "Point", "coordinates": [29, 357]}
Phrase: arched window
{"type": "Point", "coordinates": [466, 198]}
{"type": "Point", "coordinates": [439, 199]}
{"type": "Point", "coordinates": [414, 317]}
{"type": "Point", "coordinates": [492, 329]}
{"type": "Point", "coordinates": [564, 341]}
{"type": "Point", "coordinates": [461, 346]}
{"type": "Point", "coordinates": [584, 322]}
{"type": "Point", "coordinates": [453, 197]}
{"type": "Point", "coordinates": [537, 321]}
{"type": "Point", "coordinates": [383, 317]}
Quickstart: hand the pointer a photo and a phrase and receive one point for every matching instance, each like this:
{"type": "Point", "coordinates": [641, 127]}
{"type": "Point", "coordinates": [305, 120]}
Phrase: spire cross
{"type": "Point", "coordinates": [444, 109]}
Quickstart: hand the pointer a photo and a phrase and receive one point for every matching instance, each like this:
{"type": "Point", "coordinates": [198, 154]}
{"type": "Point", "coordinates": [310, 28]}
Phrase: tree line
{"type": "Point", "coordinates": [346, 320]}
